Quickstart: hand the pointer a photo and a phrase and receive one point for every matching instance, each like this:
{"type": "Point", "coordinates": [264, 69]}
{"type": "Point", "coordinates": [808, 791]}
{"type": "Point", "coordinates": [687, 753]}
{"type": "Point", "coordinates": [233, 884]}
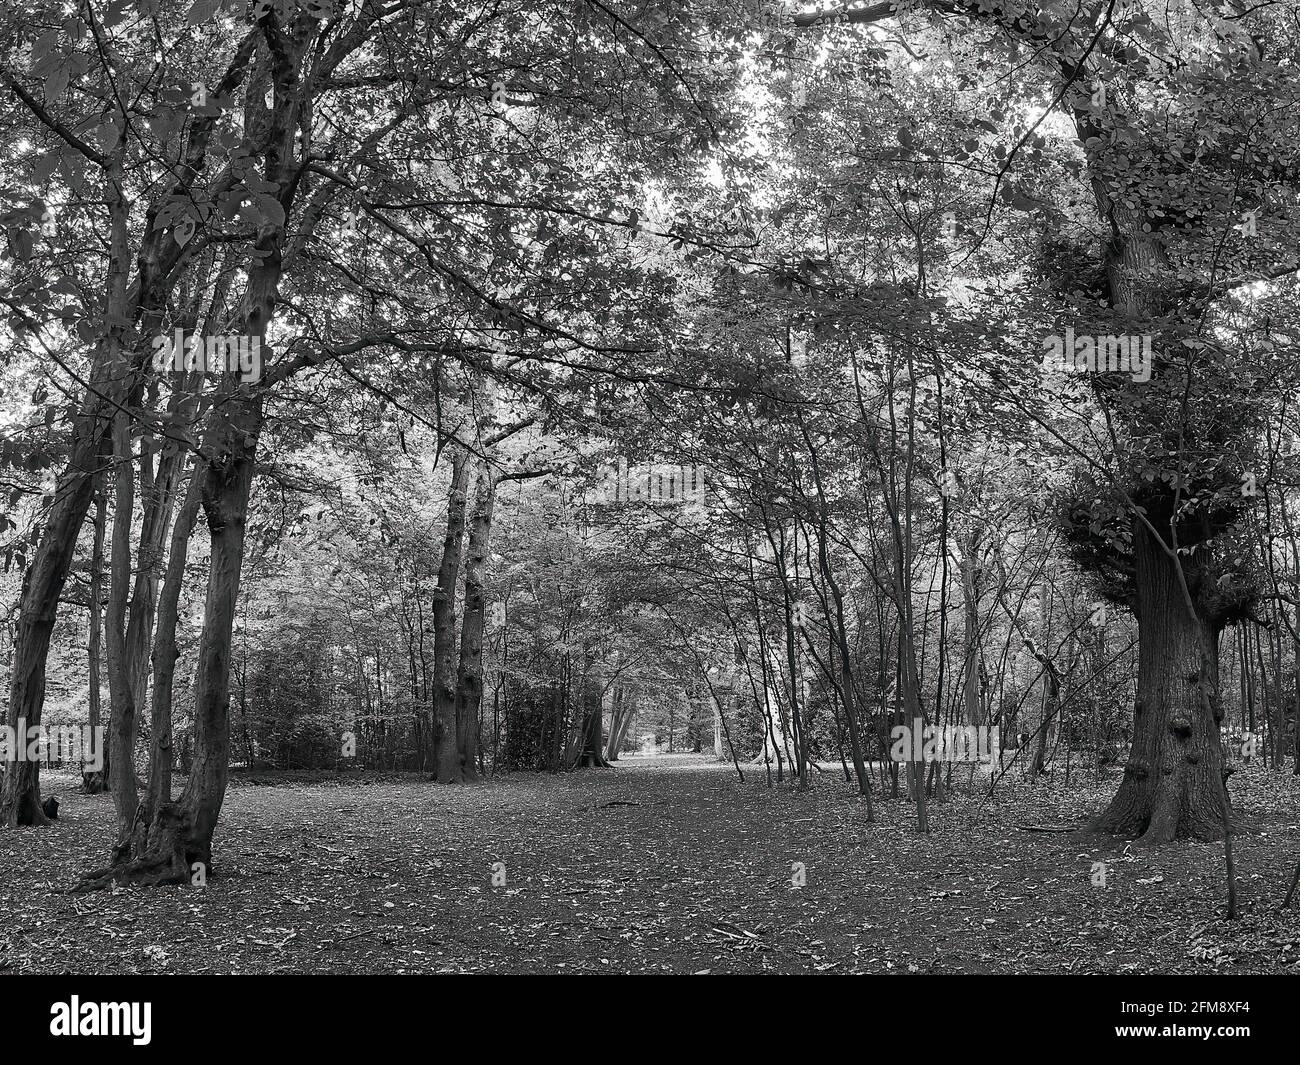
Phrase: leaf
{"type": "Point", "coordinates": [116, 12]}
{"type": "Point", "coordinates": [269, 208]}
{"type": "Point", "coordinates": [57, 82]}
{"type": "Point", "coordinates": [202, 11]}
{"type": "Point", "coordinates": [44, 167]}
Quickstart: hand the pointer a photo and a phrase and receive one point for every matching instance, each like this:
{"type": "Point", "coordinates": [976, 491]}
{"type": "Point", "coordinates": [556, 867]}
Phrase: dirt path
{"type": "Point", "coordinates": [698, 875]}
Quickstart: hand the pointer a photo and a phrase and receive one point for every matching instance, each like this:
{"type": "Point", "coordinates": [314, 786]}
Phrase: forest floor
{"type": "Point", "coordinates": [664, 864]}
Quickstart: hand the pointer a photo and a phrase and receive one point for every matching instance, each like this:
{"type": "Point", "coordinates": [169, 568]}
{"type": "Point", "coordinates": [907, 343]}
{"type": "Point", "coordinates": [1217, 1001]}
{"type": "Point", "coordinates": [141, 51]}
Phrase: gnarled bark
{"type": "Point", "coordinates": [1173, 782]}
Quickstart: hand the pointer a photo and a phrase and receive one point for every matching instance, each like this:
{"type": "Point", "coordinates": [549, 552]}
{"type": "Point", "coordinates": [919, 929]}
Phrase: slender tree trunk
{"type": "Point", "coordinates": [158, 490]}
{"type": "Point", "coordinates": [838, 629]}
{"type": "Point", "coordinates": [1052, 680]}
{"type": "Point", "coordinates": [717, 726]}
{"type": "Point", "coordinates": [122, 723]}
{"type": "Point", "coordinates": [1295, 730]}
{"type": "Point", "coordinates": [166, 651]}
{"type": "Point", "coordinates": [974, 711]}
{"type": "Point", "coordinates": [96, 780]}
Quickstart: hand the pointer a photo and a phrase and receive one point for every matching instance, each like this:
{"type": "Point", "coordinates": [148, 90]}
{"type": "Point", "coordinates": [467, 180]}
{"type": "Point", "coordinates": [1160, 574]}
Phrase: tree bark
{"type": "Point", "coordinates": [165, 651]}
{"type": "Point", "coordinates": [617, 721]}
{"type": "Point", "coordinates": [1173, 782]}
{"type": "Point", "coordinates": [446, 756]}
{"type": "Point", "coordinates": [122, 725]}
{"type": "Point", "coordinates": [469, 680]}
{"type": "Point", "coordinates": [20, 801]}
{"type": "Point", "coordinates": [177, 841]}
{"type": "Point", "coordinates": [96, 780]}
{"type": "Point", "coordinates": [114, 376]}
{"type": "Point", "coordinates": [593, 705]}
{"type": "Point", "coordinates": [970, 578]}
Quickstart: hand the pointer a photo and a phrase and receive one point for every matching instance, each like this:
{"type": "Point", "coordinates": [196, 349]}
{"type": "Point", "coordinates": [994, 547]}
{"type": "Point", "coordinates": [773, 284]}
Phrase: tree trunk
{"type": "Point", "coordinates": [593, 703]}
{"type": "Point", "coordinates": [469, 679]}
{"type": "Point", "coordinates": [1295, 732]}
{"type": "Point", "coordinates": [165, 651]}
{"type": "Point", "coordinates": [20, 802]}
{"type": "Point", "coordinates": [718, 751]}
{"type": "Point", "coordinates": [1173, 782]}
{"type": "Point", "coordinates": [617, 723]}
{"type": "Point", "coordinates": [227, 484]}
{"type": "Point", "coordinates": [629, 716]}
{"type": "Point", "coordinates": [122, 725]}
{"type": "Point", "coordinates": [158, 489]}
{"type": "Point", "coordinates": [112, 379]}
{"type": "Point", "coordinates": [1039, 765]}
{"type": "Point", "coordinates": [974, 710]}
{"type": "Point", "coordinates": [446, 757]}
{"type": "Point", "coordinates": [96, 780]}
{"type": "Point", "coordinates": [168, 848]}
{"type": "Point", "coordinates": [177, 842]}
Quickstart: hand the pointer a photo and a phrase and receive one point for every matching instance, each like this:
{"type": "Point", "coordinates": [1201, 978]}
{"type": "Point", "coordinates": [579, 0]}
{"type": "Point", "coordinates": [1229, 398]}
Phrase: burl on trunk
{"type": "Point", "coordinates": [1173, 782]}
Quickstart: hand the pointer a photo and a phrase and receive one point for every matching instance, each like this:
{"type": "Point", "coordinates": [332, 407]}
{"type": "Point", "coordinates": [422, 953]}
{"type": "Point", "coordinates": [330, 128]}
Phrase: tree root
{"type": "Point", "coordinates": [146, 872]}
{"type": "Point", "coordinates": [1154, 832]}
{"type": "Point", "coordinates": [163, 853]}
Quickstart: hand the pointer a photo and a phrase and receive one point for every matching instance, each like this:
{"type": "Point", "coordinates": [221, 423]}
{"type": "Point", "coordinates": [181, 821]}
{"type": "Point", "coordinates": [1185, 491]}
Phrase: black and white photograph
{"type": "Point", "coordinates": [651, 487]}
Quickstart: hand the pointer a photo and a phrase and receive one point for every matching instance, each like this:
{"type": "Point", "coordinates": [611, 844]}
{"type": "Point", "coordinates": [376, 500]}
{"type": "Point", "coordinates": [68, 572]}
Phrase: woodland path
{"type": "Point", "coordinates": [391, 874]}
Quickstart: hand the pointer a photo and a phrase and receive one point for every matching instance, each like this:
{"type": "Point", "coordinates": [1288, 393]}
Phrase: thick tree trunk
{"type": "Point", "coordinates": [20, 802]}
{"type": "Point", "coordinates": [446, 757]}
{"type": "Point", "coordinates": [226, 489]}
{"type": "Point", "coordinates": [1173, 782]}
{"type": "Point", "coordinates": [469, 679]}
{"type": "Point", "coordinates": [112, 380]}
